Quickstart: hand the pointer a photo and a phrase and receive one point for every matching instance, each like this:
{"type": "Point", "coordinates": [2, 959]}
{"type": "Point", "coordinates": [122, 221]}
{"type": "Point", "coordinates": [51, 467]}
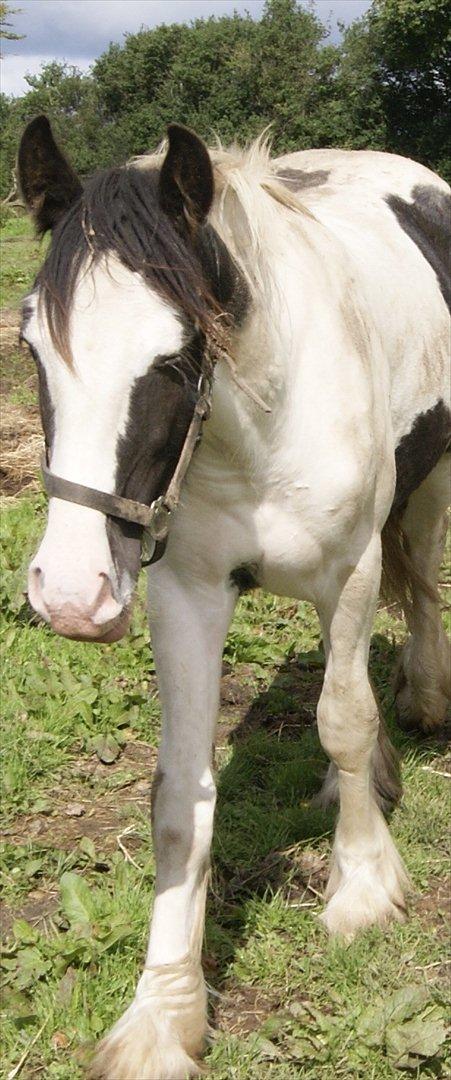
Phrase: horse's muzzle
{"type": "Point", "coordinates": [105, 620]}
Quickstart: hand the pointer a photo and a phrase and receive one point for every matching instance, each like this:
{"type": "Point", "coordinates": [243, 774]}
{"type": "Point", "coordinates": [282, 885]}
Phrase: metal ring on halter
{"type": "Point", "coordinates": [158, 526]}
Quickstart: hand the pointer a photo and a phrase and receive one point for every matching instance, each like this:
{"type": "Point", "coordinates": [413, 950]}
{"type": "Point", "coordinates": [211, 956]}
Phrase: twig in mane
{"type": "Point", "coordinates": [219, 352]}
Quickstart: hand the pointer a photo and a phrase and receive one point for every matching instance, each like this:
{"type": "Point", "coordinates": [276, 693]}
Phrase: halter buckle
{"type": "Point", "coordinates": [158, 526]}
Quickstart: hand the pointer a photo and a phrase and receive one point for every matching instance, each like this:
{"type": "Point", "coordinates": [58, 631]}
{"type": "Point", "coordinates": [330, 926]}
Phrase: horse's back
{"type": "Point", "coordinates": [329, 173]}
{"type": "Point", "coordinates": [391, 218]}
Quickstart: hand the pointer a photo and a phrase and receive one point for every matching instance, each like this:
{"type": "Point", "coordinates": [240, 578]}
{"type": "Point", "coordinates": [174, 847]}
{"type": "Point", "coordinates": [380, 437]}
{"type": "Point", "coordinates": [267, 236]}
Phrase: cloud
{"type": "Point", "coordinates": [14, 69]}
{"type": "Point", "coordinates": [79, 30]}
{"type": "Point", "coordinates": [86, 27]}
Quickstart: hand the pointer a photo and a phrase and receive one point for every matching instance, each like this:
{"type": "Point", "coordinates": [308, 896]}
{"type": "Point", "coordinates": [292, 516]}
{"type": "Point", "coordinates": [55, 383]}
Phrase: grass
{"type": "Point", "coordinates": [77, 866]}
{"type": "Point", "coordinates": [292, 1003]}
{"type": "Point", "coordinates": [21, 257]}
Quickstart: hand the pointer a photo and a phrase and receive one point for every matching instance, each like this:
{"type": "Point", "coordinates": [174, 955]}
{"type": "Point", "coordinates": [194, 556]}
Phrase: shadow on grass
{"type": "Point", "coordinates": [268, 831]}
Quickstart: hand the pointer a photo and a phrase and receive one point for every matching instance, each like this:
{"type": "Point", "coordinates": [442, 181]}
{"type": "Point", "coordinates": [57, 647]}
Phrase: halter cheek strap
{"type": "Point", "coordinates": [154, 519]}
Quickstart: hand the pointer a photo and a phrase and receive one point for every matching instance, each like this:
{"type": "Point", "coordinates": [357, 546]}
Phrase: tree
{"type": "Point", "coordinates": [401, 48]}
{"type": "Point", "coordinates": [8, 35]}
{"type": "Point", "coordinates": [384, 87]}
{"type": "Point", "coordinates": [230, 76]}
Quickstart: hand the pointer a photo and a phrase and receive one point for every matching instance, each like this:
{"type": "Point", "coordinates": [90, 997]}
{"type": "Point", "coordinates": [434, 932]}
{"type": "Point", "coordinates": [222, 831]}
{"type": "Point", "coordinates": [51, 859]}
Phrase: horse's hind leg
{"type": "Point", "coordinates": [367, 882]}
{"type": "Point", "coordinates": [385, 774]}
{"type": "Point", "coordinates": [424, 675]}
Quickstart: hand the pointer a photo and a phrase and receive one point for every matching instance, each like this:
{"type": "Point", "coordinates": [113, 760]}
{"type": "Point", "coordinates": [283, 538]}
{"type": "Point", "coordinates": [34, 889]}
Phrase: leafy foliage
{"type": "Point", "coordinates": [400, 55]}
{"type": "Point", "coordinates": [6, 30]}
{"type": "Point", "coordinates": [384, 87]}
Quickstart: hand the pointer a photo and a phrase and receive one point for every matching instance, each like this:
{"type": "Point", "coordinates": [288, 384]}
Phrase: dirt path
{"type": "Point", "coordinates": [9, 327]}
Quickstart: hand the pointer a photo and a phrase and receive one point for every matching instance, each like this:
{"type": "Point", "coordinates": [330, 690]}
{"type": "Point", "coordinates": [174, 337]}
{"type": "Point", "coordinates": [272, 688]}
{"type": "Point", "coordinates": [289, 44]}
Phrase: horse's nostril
{"type": "Point", "coordinates": [35, 590]}
{"type": "Point", "coordinates": [105, 606]}
{"type": "Point", "coordinates": [36, 578]}
{"type": "Point", "coordinates": [106, 588]}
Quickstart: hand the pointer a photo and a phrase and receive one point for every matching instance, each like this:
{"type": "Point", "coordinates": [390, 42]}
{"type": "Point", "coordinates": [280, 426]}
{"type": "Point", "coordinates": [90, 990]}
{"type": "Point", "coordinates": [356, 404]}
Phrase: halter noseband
{"type": "Point", "coordinates": [155, 518]}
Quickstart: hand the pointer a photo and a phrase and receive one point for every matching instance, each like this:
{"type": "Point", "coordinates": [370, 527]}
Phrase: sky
{"type": "Point", "coordinates": [77, 31]}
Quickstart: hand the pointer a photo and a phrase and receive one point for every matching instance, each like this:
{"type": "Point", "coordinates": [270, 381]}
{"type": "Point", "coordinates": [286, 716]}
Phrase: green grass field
{"type": "Point", "coordinates": [80, 733]}
{"type": "Point", "coordinates": [21, 257]}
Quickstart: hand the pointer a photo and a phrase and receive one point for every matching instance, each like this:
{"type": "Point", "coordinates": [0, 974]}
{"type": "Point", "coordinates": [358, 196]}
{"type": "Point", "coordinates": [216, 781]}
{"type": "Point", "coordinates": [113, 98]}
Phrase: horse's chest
{"type": "Point", "coordinates": [286, 527]}
{"type": "Point", "coordinates": [292, 537]}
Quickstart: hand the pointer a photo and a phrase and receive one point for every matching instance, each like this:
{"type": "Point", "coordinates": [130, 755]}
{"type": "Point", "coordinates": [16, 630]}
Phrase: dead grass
{"type": "Point", "coordinates": [21, 447]}
{"type": "Point", "coordinates": [9, 328]}
{"type": "Point", "coordinates": [20, 427]}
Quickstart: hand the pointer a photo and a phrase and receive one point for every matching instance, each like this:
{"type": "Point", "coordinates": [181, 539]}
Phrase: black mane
{"type": "Point", "coordinates": [119, 212]}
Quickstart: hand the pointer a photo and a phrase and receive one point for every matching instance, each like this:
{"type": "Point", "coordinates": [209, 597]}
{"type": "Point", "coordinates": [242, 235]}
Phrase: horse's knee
{"type": "Point", "coordinates": [182, 815]}
{"type": "Point", "coordinates": [348, 721]}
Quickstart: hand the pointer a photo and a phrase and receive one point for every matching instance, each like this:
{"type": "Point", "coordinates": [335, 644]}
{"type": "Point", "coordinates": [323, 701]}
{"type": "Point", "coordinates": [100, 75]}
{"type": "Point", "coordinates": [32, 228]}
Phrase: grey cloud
{"type": "Point", "coordinates": [84, 28]}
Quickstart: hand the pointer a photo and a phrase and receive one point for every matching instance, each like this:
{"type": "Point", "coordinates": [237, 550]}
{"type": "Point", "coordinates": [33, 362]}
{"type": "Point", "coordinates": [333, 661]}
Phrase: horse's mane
{"type": "Point", "coordinates": [249, 197]}
{"type": "Point", "coordinates": [119, 213]}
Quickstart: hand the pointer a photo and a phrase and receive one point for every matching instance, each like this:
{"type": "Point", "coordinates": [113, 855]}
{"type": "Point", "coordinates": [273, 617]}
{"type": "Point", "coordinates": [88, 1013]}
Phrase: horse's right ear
{"type": "Point", "coordinates": [47, 182]}
{"type": "Point", "coordinates": [186, 177]}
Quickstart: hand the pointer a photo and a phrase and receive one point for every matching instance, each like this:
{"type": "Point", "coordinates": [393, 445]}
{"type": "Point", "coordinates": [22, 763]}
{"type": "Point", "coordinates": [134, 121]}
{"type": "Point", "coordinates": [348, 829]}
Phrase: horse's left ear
{"type": "Point", "coordinates": [47, 181]}
{"type": "Point", "coordinates": [186, 177]}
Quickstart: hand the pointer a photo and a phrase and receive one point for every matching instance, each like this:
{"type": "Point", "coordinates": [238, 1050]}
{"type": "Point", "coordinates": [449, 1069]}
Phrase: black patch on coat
{"type": "Point", "coordinates": [300, 180]}
{"type": "Point", "coordinates": [427, 220]}
{"type": "Point", "coordinates": [161, 408]}
{"type": "Point", "coordinates": [46, 408]}
{"type": "Point", "coordinates": [420, 450]}
{"type": "Point", "coordinates": [225, 280]}
{"type": "Point", "coordinates": [244, 578]}
{"type": "Point", "coordinates": [26, 314]}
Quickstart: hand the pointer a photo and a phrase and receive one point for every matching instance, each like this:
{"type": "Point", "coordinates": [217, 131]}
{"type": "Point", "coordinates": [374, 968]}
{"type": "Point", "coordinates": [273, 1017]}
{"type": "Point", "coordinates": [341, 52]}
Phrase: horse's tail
{"type": "Point", "coordinates": [401, 579]}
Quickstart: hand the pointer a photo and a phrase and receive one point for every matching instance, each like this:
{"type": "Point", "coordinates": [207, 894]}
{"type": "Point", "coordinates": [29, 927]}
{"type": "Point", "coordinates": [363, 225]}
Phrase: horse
{"type": "Point", "coordinates": [243, 371]}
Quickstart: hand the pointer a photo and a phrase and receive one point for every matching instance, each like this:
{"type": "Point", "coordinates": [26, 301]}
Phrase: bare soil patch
{"type": "Point", "coordinates": [81, 810]}
{"type": "Point", "coordinates": [243, 1009]}
{"type": "Point", "coordinates": [21, 448]}
{"type": "Point", "coordinates": [76, 811]}
{"type": "Point", "coordinates": [434, 906]}
{"type": "Point", "coordinates": [9, 328]}
{"type": "Point", "coordinates": [20, 427]}
{"type": "Point", "coordinates": [39, 907]}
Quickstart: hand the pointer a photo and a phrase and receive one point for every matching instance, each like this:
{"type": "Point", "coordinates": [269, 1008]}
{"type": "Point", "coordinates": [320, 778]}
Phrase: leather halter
{"type": "Point", "coordinates": [155, 518]}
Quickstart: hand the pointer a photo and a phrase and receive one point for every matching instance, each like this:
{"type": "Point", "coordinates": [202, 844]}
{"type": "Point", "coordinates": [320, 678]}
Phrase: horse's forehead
{"type": "Point", "coordinates": [117, 325]}
{"type": "Point", "coordinates": [115, 315]}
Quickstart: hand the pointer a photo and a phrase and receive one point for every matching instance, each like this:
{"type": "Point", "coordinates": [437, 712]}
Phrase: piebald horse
{"type": "Point", "coordinates": [294, 310]}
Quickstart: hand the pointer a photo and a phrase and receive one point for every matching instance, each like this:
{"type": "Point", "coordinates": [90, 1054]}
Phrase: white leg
{"type": "Point", "coordinates": [424, 677]}
{"type": "Point", "coordinates": [163, 1031]}
{"type": "Point", "coordinates": [385, 774]}
{"type": "Point", "coordinates": [367, 881]}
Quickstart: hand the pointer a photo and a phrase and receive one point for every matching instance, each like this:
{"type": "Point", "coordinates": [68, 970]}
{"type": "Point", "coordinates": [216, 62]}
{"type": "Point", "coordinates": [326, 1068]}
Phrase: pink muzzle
{"type": "Point", "coordinates": [103, 619]}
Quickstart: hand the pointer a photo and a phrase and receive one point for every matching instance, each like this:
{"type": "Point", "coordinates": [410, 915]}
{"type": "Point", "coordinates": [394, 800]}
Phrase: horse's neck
{"type": "Point", "coordinates": [278, 257]}
{"type": "Point", "coordinates": [239, 428]}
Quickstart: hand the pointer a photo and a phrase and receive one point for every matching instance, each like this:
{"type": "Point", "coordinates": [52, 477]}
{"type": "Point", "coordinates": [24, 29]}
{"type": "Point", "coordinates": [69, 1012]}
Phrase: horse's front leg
{"type": "Point", "coordinates": [163, 1031]}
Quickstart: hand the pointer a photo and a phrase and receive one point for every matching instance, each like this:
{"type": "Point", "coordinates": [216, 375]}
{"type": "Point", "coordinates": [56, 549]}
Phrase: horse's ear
{"type": "Point", "coordinates": [186, 177]}
{"type": "Point", "coordinates": [47, 182]}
